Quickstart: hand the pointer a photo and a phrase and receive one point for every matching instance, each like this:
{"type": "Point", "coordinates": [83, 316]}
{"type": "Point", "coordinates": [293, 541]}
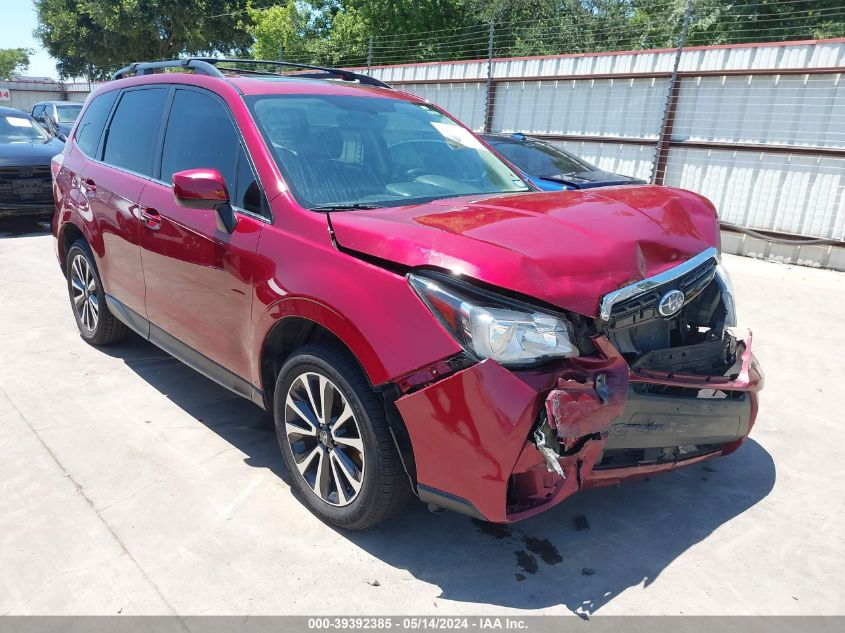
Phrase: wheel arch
{"type": "Point", "coordinates": [68, 234]}
{"type": "Point", "coordinates": [301, 326]}
{"type": "Point", "coordinates": [294, 321]}
{"type": "Point", "coordinates": [286, 336]}
{"type": "Point", "coordinates": [71, 230]}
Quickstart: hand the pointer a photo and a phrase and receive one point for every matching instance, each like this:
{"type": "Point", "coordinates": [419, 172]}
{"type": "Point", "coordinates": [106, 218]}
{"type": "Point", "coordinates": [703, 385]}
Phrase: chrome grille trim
{"type": "Point", "coordinates": [644, 285]}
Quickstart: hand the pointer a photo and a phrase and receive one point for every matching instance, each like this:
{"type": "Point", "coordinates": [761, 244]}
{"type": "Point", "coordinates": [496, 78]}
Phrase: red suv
{"type": "Point", "coordinates": [418, 319]}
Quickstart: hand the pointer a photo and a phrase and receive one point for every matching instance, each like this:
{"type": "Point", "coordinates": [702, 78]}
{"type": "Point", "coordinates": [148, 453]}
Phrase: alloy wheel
{"type": "Point", "coordinates": [325, 438]}
{"type": "Point", "coordinates": [84, 293]}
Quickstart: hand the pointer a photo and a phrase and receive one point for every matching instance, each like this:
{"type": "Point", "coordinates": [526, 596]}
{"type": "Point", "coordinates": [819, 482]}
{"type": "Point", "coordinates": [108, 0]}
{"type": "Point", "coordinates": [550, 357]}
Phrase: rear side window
{"type": "Point", "coordinates": [133, 130]}
{"type": "Point", "coordinates": [93, 121]}
{"type": "Point", "coordinates": [199, 135]}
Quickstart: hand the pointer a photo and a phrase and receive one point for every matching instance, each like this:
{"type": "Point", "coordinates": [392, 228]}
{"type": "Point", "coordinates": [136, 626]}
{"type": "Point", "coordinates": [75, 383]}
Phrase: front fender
{"type": "Point", "coordinates": [372, 310]}
{"type": "Point", "coordinates": [331, 320]}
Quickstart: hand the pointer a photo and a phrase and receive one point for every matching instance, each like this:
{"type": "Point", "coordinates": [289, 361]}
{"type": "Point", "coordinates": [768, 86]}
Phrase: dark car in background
{"type": "Point", "coordinates": [57, 117]}
{"type": "Point", "coordinates": [550, 168]}
{"type": "Point", "coordinates": [25, 153]}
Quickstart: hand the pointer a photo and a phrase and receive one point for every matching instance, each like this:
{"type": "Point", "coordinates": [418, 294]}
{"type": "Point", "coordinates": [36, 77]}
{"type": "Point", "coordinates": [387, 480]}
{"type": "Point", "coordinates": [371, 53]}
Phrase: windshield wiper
{"type": "Point", "coordinates": [354, 206]}
{"type": "Point", "coordinates": [560, 179]}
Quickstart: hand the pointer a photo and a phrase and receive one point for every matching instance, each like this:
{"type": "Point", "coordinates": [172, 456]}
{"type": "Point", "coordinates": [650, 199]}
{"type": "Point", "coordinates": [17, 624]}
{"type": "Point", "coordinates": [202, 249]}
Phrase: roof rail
{"type": "Point", "coordinates": [198, 65]}
{"type": "Point", "coordinates": [208, 66]}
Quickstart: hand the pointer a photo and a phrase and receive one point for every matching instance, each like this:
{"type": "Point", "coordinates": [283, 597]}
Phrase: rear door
{"type": "Point", "coordinates": [80, 150]}
{"type": "Point", "coordinates": [199, 279]}
{"type": "Point", "coordinates": [112, 186]}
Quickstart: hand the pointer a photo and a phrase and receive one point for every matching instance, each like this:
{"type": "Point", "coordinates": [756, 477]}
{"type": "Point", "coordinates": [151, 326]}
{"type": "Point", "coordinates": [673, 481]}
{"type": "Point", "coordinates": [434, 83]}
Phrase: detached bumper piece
{"type": "Point", "coordinates": [586, 399]}
{"type": "Point", "coordinates": [502, 446]}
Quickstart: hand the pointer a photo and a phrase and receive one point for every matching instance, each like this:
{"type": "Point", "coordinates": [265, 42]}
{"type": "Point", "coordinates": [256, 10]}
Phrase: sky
{"type": "Point", "coordinates": [17, 22]}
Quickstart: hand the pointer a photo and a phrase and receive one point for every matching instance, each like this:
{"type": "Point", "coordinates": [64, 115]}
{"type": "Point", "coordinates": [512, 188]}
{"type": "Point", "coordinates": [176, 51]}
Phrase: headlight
{"type": "Point", "coordinates": [490, 326]}
{"type": "Point", "coordinates": [727, 291]}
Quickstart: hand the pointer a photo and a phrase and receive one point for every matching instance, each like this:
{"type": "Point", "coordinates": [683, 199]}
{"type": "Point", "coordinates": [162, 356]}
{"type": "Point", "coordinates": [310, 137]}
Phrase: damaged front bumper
{"type": "Point", "coordinates": [503, 446]}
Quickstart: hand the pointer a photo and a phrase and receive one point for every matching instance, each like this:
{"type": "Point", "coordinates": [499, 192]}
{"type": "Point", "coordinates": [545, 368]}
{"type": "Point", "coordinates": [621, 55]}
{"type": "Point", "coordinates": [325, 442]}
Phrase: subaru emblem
{"type": "Point", "coordinates": [671, 303]}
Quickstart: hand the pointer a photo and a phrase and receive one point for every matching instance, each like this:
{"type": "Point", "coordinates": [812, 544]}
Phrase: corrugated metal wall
{"type": "Point", "coordinates": [759, 129]}
{"type": "Point", "coordinates": [26, 93]}
{"type": "Point", "coordinates": [463, 100]}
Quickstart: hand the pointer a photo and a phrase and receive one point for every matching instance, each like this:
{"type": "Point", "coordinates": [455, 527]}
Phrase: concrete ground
{"type": "Point", "coordinates": [131, 484]}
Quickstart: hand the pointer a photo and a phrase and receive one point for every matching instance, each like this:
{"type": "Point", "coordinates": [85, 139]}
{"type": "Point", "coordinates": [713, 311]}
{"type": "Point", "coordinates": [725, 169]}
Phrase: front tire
{"type": "Point", "coordinates": [335, 439]}
{"type": "Point", "coordinates": [97, 325]}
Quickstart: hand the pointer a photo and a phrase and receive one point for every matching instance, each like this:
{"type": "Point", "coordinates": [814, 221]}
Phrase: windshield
{"type": "Point", "coordinates": [372, 152]}
{"type": "Point", "coordinates": [20, 129]}
{"type": "Point", "coordinates": [68, 113]}
{"type": "Point", "coordinates": [539, 159]}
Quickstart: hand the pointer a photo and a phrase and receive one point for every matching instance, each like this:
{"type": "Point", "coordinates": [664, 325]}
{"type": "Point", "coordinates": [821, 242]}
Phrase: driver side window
{"type": "Point", "coordinates": [200, 134]}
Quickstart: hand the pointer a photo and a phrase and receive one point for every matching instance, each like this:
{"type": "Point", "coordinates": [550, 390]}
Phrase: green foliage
{"type": "Point", "coordinates": [420, 30]}
{"type": "Point", "coordinates": [742, 21]}
{"type": "Point", "coordinates": [310, 32]}
{"type": "Point", "coordinates": [278, 29]}
{"type": "Point", "coordinates": [94, 37]}
{"type": "Point", "coordinates": [389, 17]}
{"type": "Point", "coordinates": [347, 38]}
{"type": "Point", "coordinates": [13, 61]}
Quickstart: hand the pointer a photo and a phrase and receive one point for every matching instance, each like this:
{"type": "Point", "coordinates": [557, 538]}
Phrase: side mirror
{"type": "Point", "coordinates": [205, 189]}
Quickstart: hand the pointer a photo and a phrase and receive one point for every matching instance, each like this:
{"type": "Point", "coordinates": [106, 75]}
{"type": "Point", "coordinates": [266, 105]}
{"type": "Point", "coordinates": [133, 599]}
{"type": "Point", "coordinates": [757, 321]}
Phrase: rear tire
{"type": "Point", "coordinates": [97, 325]}
{"type": "Point", "coordinates": [335, 439]}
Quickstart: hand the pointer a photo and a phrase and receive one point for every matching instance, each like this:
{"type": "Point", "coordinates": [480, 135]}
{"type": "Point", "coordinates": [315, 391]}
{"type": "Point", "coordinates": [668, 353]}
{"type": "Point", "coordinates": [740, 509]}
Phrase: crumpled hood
{"type": "Point", "coordinates": [566, 248]}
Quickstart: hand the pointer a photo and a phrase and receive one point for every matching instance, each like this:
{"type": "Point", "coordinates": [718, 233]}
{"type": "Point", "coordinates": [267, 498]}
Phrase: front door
{"type": "Point", "coordinates": [199, 278]}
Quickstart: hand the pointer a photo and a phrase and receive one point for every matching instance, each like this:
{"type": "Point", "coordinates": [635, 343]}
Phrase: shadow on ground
{"type": "Point", "coordinates": [20, 227]}
{"type": "Point", "coordinates": [580, 554]}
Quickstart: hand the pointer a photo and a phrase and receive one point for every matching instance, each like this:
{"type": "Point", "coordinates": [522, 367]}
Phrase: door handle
{"type": "Point", "coordinates": [151, 217]}
{"type": "Point", "coordinates": [88, 185]}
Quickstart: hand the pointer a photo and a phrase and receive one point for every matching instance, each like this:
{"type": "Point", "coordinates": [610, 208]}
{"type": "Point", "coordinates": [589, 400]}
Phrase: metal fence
{"type": "Point", "coordinates": [743, 103]}
{"type": "Point", "coordinates": [759, 129]}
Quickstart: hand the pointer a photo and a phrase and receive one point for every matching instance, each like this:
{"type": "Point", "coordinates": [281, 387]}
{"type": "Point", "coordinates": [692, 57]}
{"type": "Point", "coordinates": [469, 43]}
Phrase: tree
{"type": "Point", "coordinates": [95, 37]}
{"type": "Point", "coordinates": [317, 32]}
{"type": "Point", "coordinates": [410, 16]}
{"type": "Point", "coordinates": [417, 30]}
{"type": "Point", "coordinates": [657, 23]}
{"type": "Point", "coordinates": [346, 41]}
{"type": "Point", "coordinates": [13, 61]}
{"type": "Point", "coordinates": [278, 29]}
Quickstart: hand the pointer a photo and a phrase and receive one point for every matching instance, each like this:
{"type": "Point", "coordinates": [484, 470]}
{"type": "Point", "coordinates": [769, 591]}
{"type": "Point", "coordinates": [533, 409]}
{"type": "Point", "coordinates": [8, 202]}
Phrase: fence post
{"type": "Point", "coordinates": [661, 152]}
{"type": "Point", "coordinates": [370, 55]}
{"type": "Point", "coordinates": [489, 97]}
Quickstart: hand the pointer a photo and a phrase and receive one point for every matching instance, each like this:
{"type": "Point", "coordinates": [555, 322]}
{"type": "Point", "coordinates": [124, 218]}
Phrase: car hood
{"type": "Point", "coordinates": [26, 154]}
{"type": "Point", "coordinates": [565, 248]}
